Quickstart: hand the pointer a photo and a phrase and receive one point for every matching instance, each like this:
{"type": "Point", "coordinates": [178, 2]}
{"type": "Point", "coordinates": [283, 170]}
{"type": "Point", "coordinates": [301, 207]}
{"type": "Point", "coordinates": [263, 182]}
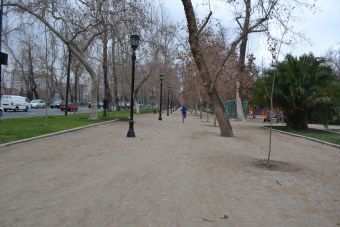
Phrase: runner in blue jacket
{"type": "Point", "coordinates": [184, 112]}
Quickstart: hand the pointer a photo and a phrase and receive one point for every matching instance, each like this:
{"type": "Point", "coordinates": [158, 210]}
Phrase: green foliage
{"type": "Point", "coordinates": [261, 92]}
{"type": "Point", "coordinates": [303, 86]}
{"type": "Point", "coordinates": [21, 128]}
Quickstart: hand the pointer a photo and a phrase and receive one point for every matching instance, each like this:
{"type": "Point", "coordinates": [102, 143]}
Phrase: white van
{"type": "Point", "coordinates": [15, 103]}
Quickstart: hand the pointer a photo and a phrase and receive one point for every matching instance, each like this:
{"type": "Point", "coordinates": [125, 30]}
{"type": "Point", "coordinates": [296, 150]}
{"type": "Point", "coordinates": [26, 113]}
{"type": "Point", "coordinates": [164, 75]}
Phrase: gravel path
{"type": "Point", "coordinates": [171, 174]}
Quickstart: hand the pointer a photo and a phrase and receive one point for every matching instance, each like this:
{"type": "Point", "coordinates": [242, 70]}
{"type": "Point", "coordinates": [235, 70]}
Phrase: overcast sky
{"type": "Point", "coordinates": [322, 28]}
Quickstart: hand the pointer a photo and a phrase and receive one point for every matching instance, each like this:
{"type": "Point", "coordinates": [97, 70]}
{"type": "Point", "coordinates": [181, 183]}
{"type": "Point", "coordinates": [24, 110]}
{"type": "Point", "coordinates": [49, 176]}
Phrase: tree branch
{"type": "Point", "coordinates": [83, 29]}
{"type": "Point", "coordinates": [204, 24]}
{"type": "Point", "coordinates": [239, 23]}
{"type": "Point", "coordinates": [261, 30]}
{"type": "Point", "coordinates": [239, 39]}
{"type": "Point", "coordinates": [230, 52]}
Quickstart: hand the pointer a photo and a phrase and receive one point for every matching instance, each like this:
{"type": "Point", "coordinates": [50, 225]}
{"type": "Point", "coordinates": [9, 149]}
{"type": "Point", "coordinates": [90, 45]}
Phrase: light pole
{"type": "Point", "coordinates": [161, 77]}
{"type": "Point", "coordinates": [134, 40]}
{"type": "Point", "coordinates": [167, 104]}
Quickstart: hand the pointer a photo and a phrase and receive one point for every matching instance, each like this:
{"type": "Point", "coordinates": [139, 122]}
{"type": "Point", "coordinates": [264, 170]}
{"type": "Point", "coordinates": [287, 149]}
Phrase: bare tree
{"type": "Point", "coordinates": [72, 20]}
{"type": "Point", "coordinates": [198, 55]}
{"type": "Point", "coordinates": [89, 29]}
{"type": "Point", "coordinates": [257, 16]}
{"type": "Point", "coordinates": [333, 58]}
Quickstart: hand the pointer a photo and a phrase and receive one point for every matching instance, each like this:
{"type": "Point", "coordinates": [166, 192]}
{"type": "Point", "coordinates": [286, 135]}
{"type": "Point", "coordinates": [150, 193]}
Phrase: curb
{"type": "Point", "coordinates": [304, 137]}
{"type": "Point", "coordinates": [54, 133]}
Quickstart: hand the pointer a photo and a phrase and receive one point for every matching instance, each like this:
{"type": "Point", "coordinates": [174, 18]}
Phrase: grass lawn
{"type": "Point", "coordinates": [22, 128]}
{"type": "Point", "coordinates": [313, 133]}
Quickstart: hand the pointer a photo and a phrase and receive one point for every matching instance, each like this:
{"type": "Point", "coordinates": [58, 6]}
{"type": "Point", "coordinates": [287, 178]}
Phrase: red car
{"type": "Point", "coordinates": [70, 107]}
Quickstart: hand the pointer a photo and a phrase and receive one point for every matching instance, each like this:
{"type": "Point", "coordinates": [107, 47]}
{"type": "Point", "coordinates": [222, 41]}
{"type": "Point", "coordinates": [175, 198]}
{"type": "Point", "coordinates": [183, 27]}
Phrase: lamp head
{"type": "Point", "coordinates": [134, 41]}
{"type": "Point", "coordinates": [161, 77]}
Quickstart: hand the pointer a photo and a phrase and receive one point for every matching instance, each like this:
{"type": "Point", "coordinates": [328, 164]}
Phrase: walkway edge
{"type": "Point", "coordinates": [54, 133]}
{"type": "Point", "coordinates": [304, 137]}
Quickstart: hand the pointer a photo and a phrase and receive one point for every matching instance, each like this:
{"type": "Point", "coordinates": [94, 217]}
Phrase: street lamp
{"type": "Point", "coordinates": [134, 40]}
{"type": "Point", "coordinates": [167, 104]}
{"type": "Point", "coordinates": [161, 77]}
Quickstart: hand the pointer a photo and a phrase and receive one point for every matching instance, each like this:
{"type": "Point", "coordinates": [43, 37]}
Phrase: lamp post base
{"type": "Point", "coordinates": [159, 118]}
{"type": "Point", "coordinates": [131, 132]}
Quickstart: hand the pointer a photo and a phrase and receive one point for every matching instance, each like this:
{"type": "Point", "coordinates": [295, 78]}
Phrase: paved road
{"type": "Point", "coordinates": [171, 174]}
{"type": "Point", "coordinates": [39, 112]}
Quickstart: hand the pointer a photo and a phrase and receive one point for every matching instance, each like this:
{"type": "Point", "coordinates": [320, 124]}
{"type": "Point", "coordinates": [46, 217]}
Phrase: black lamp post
{"type": "Point", "coordinates": [161, 77]}
{"type": "Point", "coordinates": [167, 104]}
{"type": "Point", "coordinates": [134, 40]}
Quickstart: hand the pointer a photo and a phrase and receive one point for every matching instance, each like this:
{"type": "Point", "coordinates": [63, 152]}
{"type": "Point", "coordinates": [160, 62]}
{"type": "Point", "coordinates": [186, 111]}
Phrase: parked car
{"type": "Point", "coordinates": [1, 111]}
{"type": "Point", "coordinates": [56, 104]}
{"type": "Point", "coordinates": [37, 103]}
{"type": "Point", "coordinates": [70, 107]}
{"type": "Point", "coordinates": [15, 103]}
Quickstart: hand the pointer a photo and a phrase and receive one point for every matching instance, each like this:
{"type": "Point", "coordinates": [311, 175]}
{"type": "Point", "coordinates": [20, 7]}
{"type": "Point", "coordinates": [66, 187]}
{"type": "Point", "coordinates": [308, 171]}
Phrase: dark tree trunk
{"type": "Point", "coordinates": [106, 81]}
{"type": "Point", "coordinates": [297, 120]}
{"type": "Point", "coordinates": [33, 87]}
{"type": "Point", "coordinates": [114, 75]}
{"type": "Point", "coordinates": [242, 54]}
{"type": "Point", "coordinates": [76, 84]}
{"type": "Point", "coordinates": [244, 40]}
{"type": "Point", "coordinates": [218, 107]}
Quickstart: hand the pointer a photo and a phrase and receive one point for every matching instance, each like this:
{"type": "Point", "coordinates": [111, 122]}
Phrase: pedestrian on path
{"type": "Point", "coordinates": [184, 112]}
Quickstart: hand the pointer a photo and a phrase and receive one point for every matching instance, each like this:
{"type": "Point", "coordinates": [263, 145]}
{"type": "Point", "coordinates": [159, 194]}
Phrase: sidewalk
{"type": "Point", "coordinates": [171, 174]}
{"type": "Point", "coordinates": [331, 128]}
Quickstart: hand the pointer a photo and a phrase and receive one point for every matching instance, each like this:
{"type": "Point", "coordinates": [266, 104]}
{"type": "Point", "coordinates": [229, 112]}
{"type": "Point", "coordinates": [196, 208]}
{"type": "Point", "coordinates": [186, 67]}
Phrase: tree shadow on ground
{"type": "Point", "coordinates": [275, 165]}
{"type": "Point", "coordinates": [200, 135]}
{"type": "Point", "coordinates": [210, 125]}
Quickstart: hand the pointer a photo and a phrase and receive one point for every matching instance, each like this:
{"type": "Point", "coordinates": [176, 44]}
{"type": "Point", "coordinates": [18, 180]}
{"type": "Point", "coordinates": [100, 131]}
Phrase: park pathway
{"type": "Point", "coordinates": [171, 174]}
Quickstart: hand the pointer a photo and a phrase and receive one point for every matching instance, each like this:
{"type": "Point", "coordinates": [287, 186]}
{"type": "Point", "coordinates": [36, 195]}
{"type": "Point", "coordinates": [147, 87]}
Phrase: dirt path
{"type": "Point", "coordinates": [171, 174]}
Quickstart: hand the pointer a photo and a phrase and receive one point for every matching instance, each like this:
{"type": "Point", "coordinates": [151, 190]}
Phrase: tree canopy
{"type": "Point", "coordinates": [304, 85]}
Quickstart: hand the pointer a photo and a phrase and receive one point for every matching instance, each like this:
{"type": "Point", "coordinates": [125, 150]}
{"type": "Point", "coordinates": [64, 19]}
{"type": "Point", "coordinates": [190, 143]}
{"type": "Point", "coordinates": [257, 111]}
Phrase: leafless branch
{"type": "Point", "coordinates": [239, 23]}
{"type": "Point", "coordinates": [9, 31]}
{"type": "Point", "coordinates": [244, 33]}
{"type": "Point", "coordinates": [204, 24]}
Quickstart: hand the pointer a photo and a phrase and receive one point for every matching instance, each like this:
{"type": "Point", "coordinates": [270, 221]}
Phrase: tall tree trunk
{"type": "Point", "coordinates": [105, 70]}
{"type": "Point", "coordinates": [146, 77]}
{"type": "Point", "coordinates": [201, 102]}
{"type": "Point", "coordinates": [241, 60]}
{"type": "Point", "coordinates": [218, 107]}
{"type": "Point", "coordinates": [207, 109]}
{"type": "Point", "coordinates": [114, 75]}
{"type": "Point", "coordinates": [239, 107]}
{"type": "Point", "coordinates": [196, 105]}
{"type": "Point", "coordinates": [201, 111]}
{"type": "Point", "coordinates": [33, 87]}
{"type": "Point", "coordinates": [76, 83]}
{"type": "Point", "coordinates": [136, 105]}
{"type": "Point", "coordinates": [47, 67]}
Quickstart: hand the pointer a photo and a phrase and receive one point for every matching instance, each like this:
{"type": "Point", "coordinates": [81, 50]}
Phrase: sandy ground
{"type": "Point", "coordinates": [171, 174]}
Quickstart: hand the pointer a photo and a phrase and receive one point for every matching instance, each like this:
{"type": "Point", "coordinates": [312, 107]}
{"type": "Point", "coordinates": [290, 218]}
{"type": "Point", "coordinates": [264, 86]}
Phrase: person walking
{"type": "Point", "coordinates": [184, 112]}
